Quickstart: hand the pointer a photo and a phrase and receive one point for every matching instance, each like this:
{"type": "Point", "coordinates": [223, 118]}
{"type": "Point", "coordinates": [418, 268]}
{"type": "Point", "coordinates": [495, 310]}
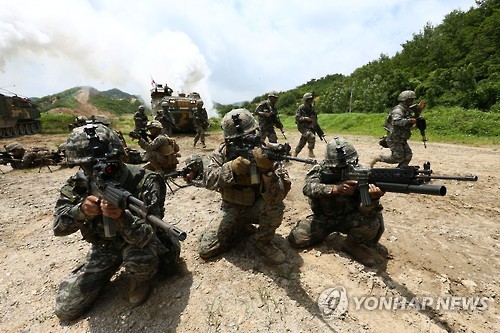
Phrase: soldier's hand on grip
{"type": "Point", "coordinates": [345, 188]}
{"type": "Point", "coordinates": [263, 162]}
{"type": "Point", "coordinates": [91, 206]}
{"type": "Point", "coordinates": [240, 165]}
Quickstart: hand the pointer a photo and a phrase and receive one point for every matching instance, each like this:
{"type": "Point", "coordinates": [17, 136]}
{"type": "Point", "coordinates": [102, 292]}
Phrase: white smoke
{"type": "Point", "coordinates": [56, 45]}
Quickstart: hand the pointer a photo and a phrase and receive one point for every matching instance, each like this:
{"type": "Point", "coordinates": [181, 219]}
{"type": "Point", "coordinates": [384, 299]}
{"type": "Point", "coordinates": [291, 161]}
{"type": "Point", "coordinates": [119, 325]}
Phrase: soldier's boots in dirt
{"type": "Point", "coordinates": [271, 252]}
{"type": "Point", "coordinates": [311, 153]}
{"type": "Point", "coordinates": [139, 291]}
{"type": "Point", "coordinates": [360, 252]}
{"type": "Point", "coordinates": [296, 152]}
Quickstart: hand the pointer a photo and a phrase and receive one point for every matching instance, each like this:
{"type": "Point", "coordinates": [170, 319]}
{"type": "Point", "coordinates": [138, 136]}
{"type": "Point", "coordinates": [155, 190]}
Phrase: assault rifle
{"type": "Point", "coordinates": [193, 168]}
{"type": "Point", "coordinates": [409, 179]}
{"type": "Point", "coordinates": [275, 119]}
{"type": "Point", "coordinates": [139, 134]}
{"type": "Point", "coordinates": [169, 119]}
{"type": "Point", "coordinates": [105, 188]}
{"type": "Point", "coordinates": [317, 129]}
{"type": "Point", "coordinates": [275, 151]}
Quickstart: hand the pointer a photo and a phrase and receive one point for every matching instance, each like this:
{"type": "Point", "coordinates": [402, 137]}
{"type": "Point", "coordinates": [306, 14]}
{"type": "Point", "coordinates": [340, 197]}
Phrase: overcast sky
{"type": "Point", "coordinates": [227, 50]}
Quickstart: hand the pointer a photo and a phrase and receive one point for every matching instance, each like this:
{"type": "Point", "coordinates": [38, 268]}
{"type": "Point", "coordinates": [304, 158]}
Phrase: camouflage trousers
{"type": "Point", "coordinates": [226, 230]}
{"type": "Point", "coordinates": [78, 291]}
{"type": "Point", "coordinates": [401, 152]}
{"type": "Point", "coordinates": [200, 135]}
{"type": "Point", "coordinates": [360, 228]}
{"type": "Point", "coordinates": [268, 132]}
{"type": "Point", "coordinates": [306, 137]}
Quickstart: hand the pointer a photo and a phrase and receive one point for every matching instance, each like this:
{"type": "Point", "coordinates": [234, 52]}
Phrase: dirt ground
{"type": "Point", "coordinates": [438, 247]}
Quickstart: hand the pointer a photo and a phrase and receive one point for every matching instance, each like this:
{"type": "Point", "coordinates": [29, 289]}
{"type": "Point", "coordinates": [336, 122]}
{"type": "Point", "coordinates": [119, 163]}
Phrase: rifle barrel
{"type": "Point", "coordinates": [410, 188]}
{"type": "Point", "coordinates": [471, 178]}
{"type": "Point", "coordinates": [300, 159]}
{"type": "Point", "coordinates": [181, 235]}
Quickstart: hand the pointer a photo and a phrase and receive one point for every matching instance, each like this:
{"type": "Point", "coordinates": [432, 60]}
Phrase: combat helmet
{"type": "Point", "coordinates": [164, 104]}
{"type": "Point", "coordinates": [332, 153]}
{"type": "Point", "coordinates": [154, 124]}
{"type": "Point", "coordinates": [272, 94]}
{"type": "Point", "coordinates": [89, 143]}
{"type": "Point", "coordinates": [141, 108]}
{"type": "Point", "coordinates": [406, 95]}
{"type": "Point", "coordinates": [13, 146]}
{"type": "Point", "coordinates": [101, 119]}
{"type": "Point", "coordinates": [81, 120]}
{"type": "Point", "coordinates": [307, 96]}
{"type": "Point", "coordinates": [238, 122]}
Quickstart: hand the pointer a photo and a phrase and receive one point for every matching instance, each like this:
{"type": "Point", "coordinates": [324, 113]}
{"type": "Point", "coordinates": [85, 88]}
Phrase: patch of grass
{"type": "Point", "coordinates": [56, 123]}
{"type": "Point", "coordinates": [451, 125]}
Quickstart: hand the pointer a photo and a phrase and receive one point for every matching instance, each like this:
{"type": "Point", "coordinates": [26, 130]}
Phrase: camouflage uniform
{"type": "Point", "coordinates": [245, 201]}
{"type": "Point", "coordinates": [304, 126]}
{"type": "Point", "coordinates": [32, 158]}
{"type": "Point", "coordinates": [335, 212]}
{"type": "Point", "coordinates": [141, 248]}
{"type": "Point", "coordinates": [266, 122]}
{"type": "Point", "coordinates": [167, 120]}
{"type": "Point", "coordinates": [140, 121]}
{"type": "Point", "coordinates": [242, 204]}
{"type": "Point", "coordinates": [399, 125]}
{"type": "Point", "coordinates": [161, 153]}
{"type": "Point", "coordinates": [200, 121]}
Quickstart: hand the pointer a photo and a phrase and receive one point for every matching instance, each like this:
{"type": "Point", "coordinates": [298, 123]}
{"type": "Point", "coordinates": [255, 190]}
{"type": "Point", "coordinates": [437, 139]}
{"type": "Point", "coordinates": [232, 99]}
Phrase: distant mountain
{"type": "Point", "coordinates": [118, 94]}
{"type": "Point", "coordinates": [88, 100]}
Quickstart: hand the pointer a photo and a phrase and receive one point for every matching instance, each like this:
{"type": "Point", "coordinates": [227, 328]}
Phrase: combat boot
{"type": "Point", "coordinates": [271, 252]}
{"type": "Point", "coordinates": [359, 252]}
{"type": "Point", "coordinates": [138, 292]}
{"type": "Point", "coordinates": [296, 152]}
{"type": "Point", "coordinates": [311, 153]}
{"type": "Point", "coordinates": [373, 161]}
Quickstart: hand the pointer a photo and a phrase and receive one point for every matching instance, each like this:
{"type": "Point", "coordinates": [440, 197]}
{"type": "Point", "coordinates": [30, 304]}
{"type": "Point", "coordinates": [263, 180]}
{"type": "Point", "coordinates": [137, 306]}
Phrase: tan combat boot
{"type": "Point", "coordinates": [311, 153]}
{"type": "Point", "coordinates": [359, 252]}
{"type": "Point", "coordinates": [296, 152]}
{"type": "Point", "coordinates": [271, 252]}
{"type": "Point", "coordinates": [138, 292]}
{"type": "Point", "coordinates": [373, 161]}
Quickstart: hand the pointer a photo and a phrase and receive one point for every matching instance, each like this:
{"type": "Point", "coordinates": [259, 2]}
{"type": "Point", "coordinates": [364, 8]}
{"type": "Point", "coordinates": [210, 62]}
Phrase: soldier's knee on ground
{"type": "Point", "coordinates": [71, 303]}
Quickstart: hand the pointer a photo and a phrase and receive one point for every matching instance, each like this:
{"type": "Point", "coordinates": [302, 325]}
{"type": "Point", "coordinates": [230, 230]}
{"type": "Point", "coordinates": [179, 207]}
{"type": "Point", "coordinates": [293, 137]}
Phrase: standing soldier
{"type": "Point", "coordinates": [140, 247]}
{"type": "Point", "coordinates": [161, 152]}
{"type": "Point", "coordinates": [166, 119]}
{"type": "Point", "coordinates": [200, 121]}
{"type": "Point", "coordinates": [268, 118]}
{"type": "Point", "coordinates": [140, 121]}
{"type": "Point", "coordinates": [252, 187]}
{"type": "Point", "coordinates": [399, 124]}
{"type": "Point", "coordinates": [306, 118]}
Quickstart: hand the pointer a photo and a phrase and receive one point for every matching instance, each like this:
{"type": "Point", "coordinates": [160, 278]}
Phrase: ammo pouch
{"type": "Point", "coordinates": [170, 153]}
{"type": "Point", "coordinates": [383, 142]}
{"type": "Point", "coordinates": [243, 196]}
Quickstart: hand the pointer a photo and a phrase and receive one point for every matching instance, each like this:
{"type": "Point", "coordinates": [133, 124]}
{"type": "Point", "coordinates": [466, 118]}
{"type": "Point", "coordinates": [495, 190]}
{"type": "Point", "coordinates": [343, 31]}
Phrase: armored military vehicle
{"type": "Point", "coordinates": [18, 116]}
{"type": "Point", "coordinates": [181, 106]}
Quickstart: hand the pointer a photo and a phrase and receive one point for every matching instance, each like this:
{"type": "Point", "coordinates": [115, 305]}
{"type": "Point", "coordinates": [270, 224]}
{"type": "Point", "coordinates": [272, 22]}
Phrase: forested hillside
{"type": "Point", "coordinates": [456, 63]}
